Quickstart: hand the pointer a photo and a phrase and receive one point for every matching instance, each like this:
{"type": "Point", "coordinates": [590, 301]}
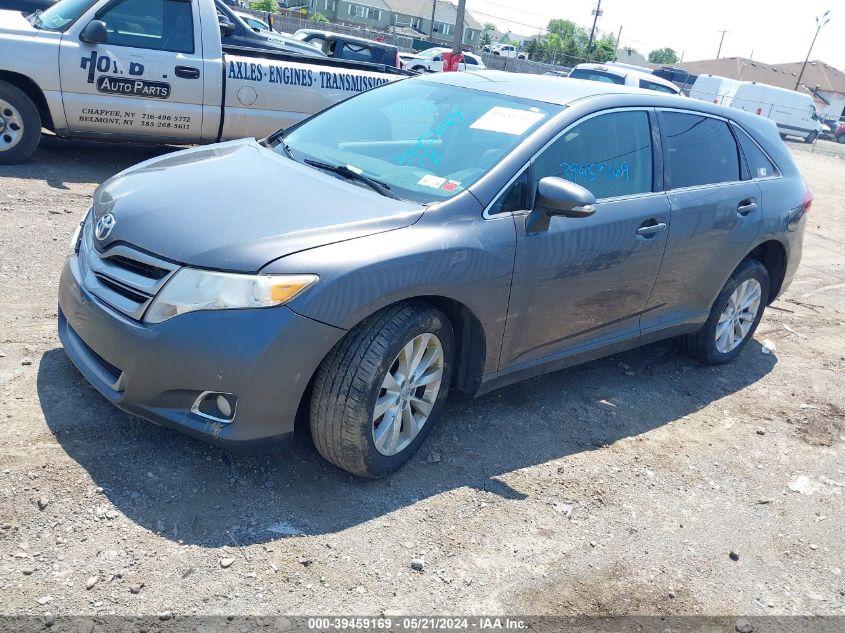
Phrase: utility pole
{"type": "Point", "coordinates": [431, 27]}
{"type": "Point", "coordinates": [616, 47]}
{"type": "Point", "coordinates": [596, 13]}
{"type": "Point", "coordinates": [820, 22]}
{"type": "Point", "coordinates": [459, 27]}
{"type": "Point", "coordinates": [721, 41]}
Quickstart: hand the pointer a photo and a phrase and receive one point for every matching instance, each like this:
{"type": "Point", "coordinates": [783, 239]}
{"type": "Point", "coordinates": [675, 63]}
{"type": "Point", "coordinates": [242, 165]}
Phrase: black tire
{"type": "Point", "coordinates": [31, 120]}
{"type": "Point", "coordinates": [840, 138]}
{"type": "Point", "coordinates": [349, 380]}
{"type": "Point", "coordinates": [420, 69]}
{"type": "Point", "coordinates": [702, 344]}
{"type": "Point", "coordinates": [812, 137]}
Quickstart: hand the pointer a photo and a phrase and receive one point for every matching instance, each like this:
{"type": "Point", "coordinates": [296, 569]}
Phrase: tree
{"type": "Point", "coordinates": [318, 17]}
{"type": "Point", "coordinates": [267, 6]}
{"type": "Point", "coordinates": [489, 26]}
{"type": "Point", "coordinates": [663, 56]}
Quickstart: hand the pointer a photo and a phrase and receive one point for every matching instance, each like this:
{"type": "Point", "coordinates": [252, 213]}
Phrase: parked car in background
{"type": "Point", "coordinates": [431, 60]}
{"type": "Point", "coordinates": [508, 50]}
{"type": "Point", "coordinates": [341, 46]}
{"type": "Point", "coordinates": [678, 76]}
{"type": "Point", "coordinates": [839, 134]}
{"type": "Point", "coordinates": [623, 76]}
{"type": "Point", "coordinates": [793, 112]}
{"type": "Point", "coordinates": [25, 6]}
{"type": "Point", "coordinates": [236, 31]}
{"type": "Point", "coordinates": [253, 22]}
{"type": "Point", "coordinates": [483, 229]}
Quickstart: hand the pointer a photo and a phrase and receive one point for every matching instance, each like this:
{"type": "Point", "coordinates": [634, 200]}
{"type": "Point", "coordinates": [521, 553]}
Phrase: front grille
{"type": "Point", "coordinates": [121, 276]}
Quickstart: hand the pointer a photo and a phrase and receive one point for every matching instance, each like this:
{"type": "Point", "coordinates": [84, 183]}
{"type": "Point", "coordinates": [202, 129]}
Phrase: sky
{"type": "Point", "coordinates": [774, 31]}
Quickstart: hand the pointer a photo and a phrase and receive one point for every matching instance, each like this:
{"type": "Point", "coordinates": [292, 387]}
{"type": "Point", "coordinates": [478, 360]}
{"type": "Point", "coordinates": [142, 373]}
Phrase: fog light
{"type": "Point", "coordinates": [215, 406]}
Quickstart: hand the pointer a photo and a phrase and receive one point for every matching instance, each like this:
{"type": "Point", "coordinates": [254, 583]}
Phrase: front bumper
{"type": "Point", "coordinates": [265, 357]}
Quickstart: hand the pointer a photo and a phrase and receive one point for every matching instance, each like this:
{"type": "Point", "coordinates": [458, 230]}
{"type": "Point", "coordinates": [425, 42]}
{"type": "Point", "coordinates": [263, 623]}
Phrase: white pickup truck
{"type": "Point", "coordinates": [154, 71]}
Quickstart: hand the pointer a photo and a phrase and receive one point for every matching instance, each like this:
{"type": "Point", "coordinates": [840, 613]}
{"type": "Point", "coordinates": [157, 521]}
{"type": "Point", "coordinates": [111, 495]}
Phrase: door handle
{"type": "Point", "coordinates": [747, 206]}
{"type": "Point", "coordinates": [187, 72]}
{"type": "Point", "coordinates": [650, 228]}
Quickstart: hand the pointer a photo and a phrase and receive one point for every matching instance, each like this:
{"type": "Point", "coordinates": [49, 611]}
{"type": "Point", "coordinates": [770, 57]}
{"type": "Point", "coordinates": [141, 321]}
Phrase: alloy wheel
{"type": "Point", "coordinates": [738, 316]}
{"type": "Point", "coordinates": [11, 126]}
{"type": "Point", "coordinates": [408, 393]}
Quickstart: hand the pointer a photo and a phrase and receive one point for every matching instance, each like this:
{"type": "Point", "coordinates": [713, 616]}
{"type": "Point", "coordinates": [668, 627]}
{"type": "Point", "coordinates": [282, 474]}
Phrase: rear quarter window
{"type": "Point", "coordinates": [700, 150]}
{"type": "Point", "coordinates": [759, 165]}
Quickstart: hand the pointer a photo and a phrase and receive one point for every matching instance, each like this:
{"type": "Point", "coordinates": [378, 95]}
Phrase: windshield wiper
{"type": "Point", "coordinates": [351, 174]}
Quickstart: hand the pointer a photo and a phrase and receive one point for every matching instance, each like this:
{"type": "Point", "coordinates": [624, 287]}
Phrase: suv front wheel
{"type": "Point", "coordinates": [378, 393]}
{"type": "Point", "coordinates": [734, 317]}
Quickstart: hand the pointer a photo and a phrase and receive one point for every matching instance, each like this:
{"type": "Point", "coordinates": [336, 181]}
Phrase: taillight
{"type": "Point", "coordinates": [808, 198]}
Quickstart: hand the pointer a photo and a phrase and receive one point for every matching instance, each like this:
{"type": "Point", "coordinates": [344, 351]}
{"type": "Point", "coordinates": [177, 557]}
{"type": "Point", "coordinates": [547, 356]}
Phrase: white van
{"type": "Point", "coordinates": [793, 112]}
{"type": "Point", "coordinates": [715, 89]}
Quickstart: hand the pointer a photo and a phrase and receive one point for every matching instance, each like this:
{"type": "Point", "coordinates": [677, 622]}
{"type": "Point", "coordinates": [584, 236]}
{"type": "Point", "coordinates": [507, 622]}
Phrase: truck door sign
{"type": "Point", "coordinates": [117, 84]}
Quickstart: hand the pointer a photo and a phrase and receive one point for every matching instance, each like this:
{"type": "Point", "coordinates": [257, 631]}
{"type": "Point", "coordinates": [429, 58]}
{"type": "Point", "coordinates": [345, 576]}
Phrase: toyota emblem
{"type": "Point", "coordinates": [104, 226]}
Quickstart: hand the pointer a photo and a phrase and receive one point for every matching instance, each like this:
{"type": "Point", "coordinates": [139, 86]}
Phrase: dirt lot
{"type": "Point", "coordinates": [628, 485]}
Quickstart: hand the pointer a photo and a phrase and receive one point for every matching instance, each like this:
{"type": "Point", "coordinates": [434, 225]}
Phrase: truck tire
{"type": "Point", "coordinates": [377, 394]}
{"type": "Point", "coordinates": [20, 125]}
{"type": "Point", "coordinates": [811, 138]}
{"type": "Point", "coordinates": [734, 317]}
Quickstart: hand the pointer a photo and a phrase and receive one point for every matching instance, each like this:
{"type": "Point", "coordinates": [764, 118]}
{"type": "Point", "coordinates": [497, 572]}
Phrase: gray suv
{"type": "Point", "coordinates": [453, 232]}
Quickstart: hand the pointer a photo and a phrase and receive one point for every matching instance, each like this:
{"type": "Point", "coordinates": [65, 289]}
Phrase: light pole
{"type": "Point", "coordinates": [596, 13]}
{"type": "Point", "coordinates": [820, 22]}
{"type": "Point", "coordinates": [721, 41]}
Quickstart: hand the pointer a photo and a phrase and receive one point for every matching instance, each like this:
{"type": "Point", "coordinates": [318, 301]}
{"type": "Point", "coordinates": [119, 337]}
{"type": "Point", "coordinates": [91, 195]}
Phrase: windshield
{"type": "Point", "coordinates": [61, 15]}
{"type": "Point", "coordinates": [430, 52]}
{"type": "Point", "coordinates": [426, 141]}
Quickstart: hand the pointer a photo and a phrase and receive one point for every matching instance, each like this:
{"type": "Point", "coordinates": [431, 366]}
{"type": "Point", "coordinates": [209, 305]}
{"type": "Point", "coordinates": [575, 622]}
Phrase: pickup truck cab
{"type": "Point", "coordinates": [154, 71]}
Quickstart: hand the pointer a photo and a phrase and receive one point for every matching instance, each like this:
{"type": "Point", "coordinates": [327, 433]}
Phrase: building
{"type": "Point", "coordinates": [409, 17]}
{"type": "Point", "coordinates": [825, 83]}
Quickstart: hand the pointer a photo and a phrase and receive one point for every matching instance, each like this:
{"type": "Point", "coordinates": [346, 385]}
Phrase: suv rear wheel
{"type": "Point", "coordinates": [378, 393]}
{"type": "Point", "coordinates": [840, 138]}
{"type": "Point", "coordinates": [20, 125]}
{"type": "Point", "coordinates": [734, 317]}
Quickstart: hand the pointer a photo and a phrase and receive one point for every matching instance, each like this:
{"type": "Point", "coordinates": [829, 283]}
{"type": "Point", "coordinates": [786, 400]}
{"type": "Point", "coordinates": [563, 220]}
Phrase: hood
{"type": "Point", "coordinates": [238, 206]}
{"type": "Point", "coordinates": [15, 23]}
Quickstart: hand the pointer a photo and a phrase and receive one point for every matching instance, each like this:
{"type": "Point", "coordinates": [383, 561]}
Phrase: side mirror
{"type": "Point", "coordinates": [558, 196]}
{"type": "Point", "coordinates": [94, 32]}
{"type": "Point", "coordinates": [227, 27]}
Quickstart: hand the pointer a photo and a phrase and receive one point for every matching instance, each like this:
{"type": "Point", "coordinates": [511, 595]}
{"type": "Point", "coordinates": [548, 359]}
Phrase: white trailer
{"type": "Point", "coordinates": [793, 112]}
{"type": "Point", "coordinates": [715, 89]}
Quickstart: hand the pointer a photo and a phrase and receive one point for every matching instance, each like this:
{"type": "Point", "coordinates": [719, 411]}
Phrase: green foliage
{"type": "Point", "coordinates": [663, 56]}
{"type": "Point", "coordinates": [267, 6]}
{"type": "Point", "coordinates": [489, 26]}
{"type": "Point", "coordinates": [566, 44]}
{"type": "Point", "coordinates": [486, 38]}
{"type": "Point", "coordinates": [318, 17]}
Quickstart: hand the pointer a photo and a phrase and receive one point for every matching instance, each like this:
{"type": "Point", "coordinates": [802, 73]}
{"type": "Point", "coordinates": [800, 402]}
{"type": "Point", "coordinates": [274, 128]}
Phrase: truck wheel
{"type": "Point", "coordinates": [734, 317]}
{"type": "Point", "coordinates": [812, 137]}
{"type": "Point", "coordinates": [20, 125]}
{"type": "Point", "coordinates": [378, 392]}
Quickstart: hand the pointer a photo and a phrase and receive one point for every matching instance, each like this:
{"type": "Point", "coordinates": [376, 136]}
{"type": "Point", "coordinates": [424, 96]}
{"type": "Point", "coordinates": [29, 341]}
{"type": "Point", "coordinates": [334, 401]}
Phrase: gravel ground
{"type": "Point", "coordinates": [642, 484]}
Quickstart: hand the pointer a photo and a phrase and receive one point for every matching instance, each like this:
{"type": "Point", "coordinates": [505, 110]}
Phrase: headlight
{"type": "Point", "coordinates": [191, 289]}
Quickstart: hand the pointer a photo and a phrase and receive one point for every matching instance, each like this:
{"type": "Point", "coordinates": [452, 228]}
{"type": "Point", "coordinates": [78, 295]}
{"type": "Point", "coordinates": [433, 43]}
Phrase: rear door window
{"type": "Point", "coordinates": [651, 85]}
{"type": "Point", "coordinates": [700, 150]}
{"type": "Point", "coordinates": [759, 165]}
{"type": "Point", "coordinates": [596, 75]}
{"type": "Point", "coordinates": [609, 154]}
{"type": "Point", "coordinates": [354, 52]}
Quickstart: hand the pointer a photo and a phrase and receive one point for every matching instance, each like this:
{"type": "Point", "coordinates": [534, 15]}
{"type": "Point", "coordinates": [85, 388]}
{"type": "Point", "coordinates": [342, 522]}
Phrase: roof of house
{"type": "Point", "coordinates": [818, 73]}
{"type": "Point", "coordinates": [445, 12]}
